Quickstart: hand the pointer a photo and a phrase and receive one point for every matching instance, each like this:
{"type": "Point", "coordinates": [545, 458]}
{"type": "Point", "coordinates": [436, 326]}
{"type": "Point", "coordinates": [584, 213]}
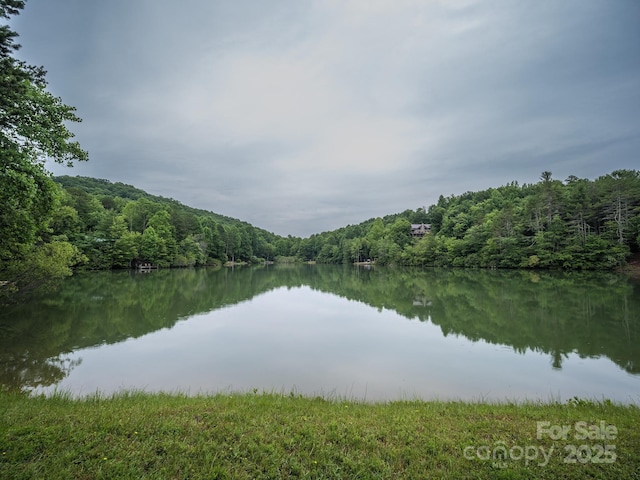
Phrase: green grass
{"type": "Point", "coordinates": [140, 435]}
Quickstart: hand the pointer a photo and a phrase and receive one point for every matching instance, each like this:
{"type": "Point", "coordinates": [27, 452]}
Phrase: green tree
{"type": "Point", "coordinates": [621, 201]}
{"type": "Point", "coordinates": [33, 127]}
{"type": "Point", "coordinates": [400, 232]}
{"type": "Point", "coordinates": [308, 248]}
{"type": "Point", "coordinates": [212, 238]}
{"type": "Point", "coordinates": [190, 253]}
{"type": "Point", "coordinates": [124, 243]}
{"type": "Point", "coordinates": [247, 240]}
{"type": "Point", "coordinates": [232, 242]}
{"type": "Point", "coordinates": [579, 199]}
{"type": "Point", "coordinates": [161, 223]}
{"type": "Point", "coordinates": [90, 209]}
{"type": "Point", "coordinates": [373, 239]}
{"type": "Point", "coordinates": [27, 197]}
{"type": "Point", "coordinates": [376, 232]}
{"type": "Point", "coordinates": [152, 249]}
{"type": "Point", "coordinates": [139, 212]}
{"type": "Point", "coordinates": [65, 220]}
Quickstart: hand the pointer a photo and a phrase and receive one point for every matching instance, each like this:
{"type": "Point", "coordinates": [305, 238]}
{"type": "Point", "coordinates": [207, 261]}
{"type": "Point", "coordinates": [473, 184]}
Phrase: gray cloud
{"type": "Point", "coordinates": [302, 117]}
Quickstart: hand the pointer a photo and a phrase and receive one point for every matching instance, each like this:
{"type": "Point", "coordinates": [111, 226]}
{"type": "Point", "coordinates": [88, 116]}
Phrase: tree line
{"type": "Point", "coordinates": [114, 225]}
{"type": "Point", "coordinates": [572, 224]}
{"type": "Point", "coordinates": [575, 224]}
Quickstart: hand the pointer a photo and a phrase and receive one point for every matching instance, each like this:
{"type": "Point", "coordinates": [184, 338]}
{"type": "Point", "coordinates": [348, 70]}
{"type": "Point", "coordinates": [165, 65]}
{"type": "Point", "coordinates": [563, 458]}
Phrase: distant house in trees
{"type": "Point", "coordinates": [419, 230]}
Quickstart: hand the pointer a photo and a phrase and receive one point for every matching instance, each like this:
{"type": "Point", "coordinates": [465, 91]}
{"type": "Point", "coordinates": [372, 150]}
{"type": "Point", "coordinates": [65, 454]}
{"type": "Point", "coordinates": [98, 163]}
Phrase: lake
{"type": "Point", "coordinates": [370, 334]}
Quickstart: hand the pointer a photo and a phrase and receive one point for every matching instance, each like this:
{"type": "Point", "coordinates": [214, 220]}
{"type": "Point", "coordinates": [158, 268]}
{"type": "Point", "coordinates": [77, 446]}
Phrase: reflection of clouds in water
{"type": "Point", "coordinates": [315, 343]}
{"type": "Point", "coordinates": [383, 333]}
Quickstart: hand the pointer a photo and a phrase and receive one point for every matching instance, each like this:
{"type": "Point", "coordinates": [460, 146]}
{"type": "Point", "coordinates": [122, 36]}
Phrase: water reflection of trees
{"type": "Point", "coordinates": [590, 314]}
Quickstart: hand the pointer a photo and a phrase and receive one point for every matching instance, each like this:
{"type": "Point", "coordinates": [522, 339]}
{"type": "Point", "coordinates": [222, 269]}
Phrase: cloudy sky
{"type": "Point", "coordinates": [305, 116]}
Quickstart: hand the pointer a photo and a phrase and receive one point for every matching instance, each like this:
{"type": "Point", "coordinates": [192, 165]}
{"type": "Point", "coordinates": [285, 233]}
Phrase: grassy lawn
{"type": "Point", "coordinates": [140, 435]}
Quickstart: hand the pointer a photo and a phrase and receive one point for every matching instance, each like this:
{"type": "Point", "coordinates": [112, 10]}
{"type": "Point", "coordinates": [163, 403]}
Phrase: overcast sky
{"type": "Point", "coordinates": [305, 116]}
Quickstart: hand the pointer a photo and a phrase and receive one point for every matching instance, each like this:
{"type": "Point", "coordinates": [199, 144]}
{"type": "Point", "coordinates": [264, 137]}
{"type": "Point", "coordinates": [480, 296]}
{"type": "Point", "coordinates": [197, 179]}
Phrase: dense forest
{"type": "Point", "coordinates": [575, 224]}
{"type": "Point", "coordinates": [114, 225]}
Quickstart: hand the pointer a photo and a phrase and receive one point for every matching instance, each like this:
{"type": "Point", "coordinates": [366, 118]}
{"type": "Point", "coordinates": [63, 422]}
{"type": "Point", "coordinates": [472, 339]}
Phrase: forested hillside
{"type": "Point", "coordinates": [575, 224]}
{"type": "Point", "coordinates": [115, 225]}
{"type": "Point", "coordinates": [571, 224]}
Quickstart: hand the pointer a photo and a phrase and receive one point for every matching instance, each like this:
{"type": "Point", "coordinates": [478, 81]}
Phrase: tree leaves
{"type": "Point", "coordinates": [32, 129]}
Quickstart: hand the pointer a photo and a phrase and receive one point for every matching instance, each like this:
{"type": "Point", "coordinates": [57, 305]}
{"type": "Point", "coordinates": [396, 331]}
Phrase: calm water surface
{"type": "Point", "coordinates": [374, 334]}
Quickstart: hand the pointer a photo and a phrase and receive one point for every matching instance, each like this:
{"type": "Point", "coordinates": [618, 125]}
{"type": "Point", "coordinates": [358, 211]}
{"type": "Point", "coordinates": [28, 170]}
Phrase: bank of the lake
{"type": "Point", "coordinates": [141, 435]}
